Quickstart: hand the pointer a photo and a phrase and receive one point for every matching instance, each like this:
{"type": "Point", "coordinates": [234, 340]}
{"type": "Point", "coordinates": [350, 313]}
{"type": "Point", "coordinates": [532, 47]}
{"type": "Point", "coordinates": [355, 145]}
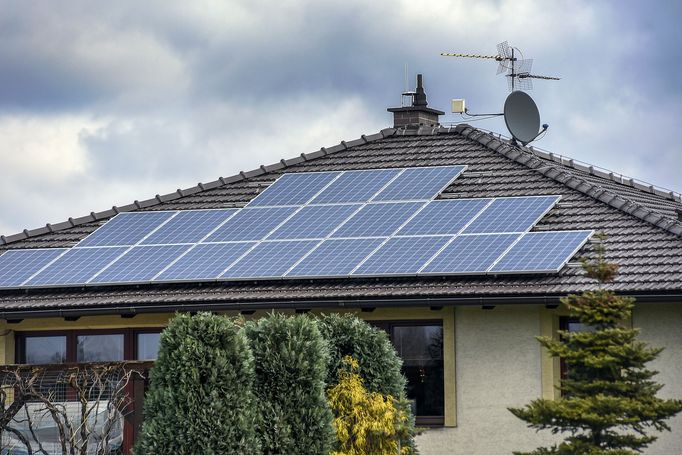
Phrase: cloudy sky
{"type": "Point", "coordinates": [102, 103]}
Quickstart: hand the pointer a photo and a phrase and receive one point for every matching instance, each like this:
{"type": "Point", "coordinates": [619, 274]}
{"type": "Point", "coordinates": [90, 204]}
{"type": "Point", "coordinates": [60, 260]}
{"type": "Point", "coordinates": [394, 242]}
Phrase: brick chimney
{"type": "Point", "coordinates": [417, 114]}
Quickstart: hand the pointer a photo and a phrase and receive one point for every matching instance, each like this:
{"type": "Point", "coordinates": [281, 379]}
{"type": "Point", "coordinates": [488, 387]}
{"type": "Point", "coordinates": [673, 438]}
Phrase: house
{"type": "Point", "coordinates": [467, 340]}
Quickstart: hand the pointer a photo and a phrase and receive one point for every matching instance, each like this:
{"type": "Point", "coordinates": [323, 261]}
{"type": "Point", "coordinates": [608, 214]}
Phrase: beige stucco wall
{"type": "Point", "coordinates": [661, 326]}
{"type": "Point", "coordinates": [498, 365]}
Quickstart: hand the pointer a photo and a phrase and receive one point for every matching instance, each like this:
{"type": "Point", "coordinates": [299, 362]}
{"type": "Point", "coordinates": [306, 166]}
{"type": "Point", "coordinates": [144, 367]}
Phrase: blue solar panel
{"type": "Point", "coordinates": [294, 189]}
{"type": "Point", "coordinates": [126, 229]}
{"type": "Point", "coordinates": [251, 224]}
{"type": "Point", "coordinates": [444, 217]}
{"type": "Point", "coordinates": [16, 266]}
{"type": "Point", "coordinates": [141, 263]}
{"type": "Point", "coordinates": [419, 183]}
{"type": "Point", "coordinates": [356, 186]}
{"type": "Point", "coordinates": [542, 251]}
{"type": "Point", "coordinates": [189, 227]}
{"type": "Point", "coordinates": [470, 254]}
{"type": "Point", "coordinates": [270, 259]}
{"type": "Point", "coordinates": [77, 266]}
{"type": "Point", "coordinates": [401, 255]}
{"type": "Point", "coordinates": [335, 258]}
{"type": "Point", "coordinates": [378, 220]}
{"type": "Point", "coordinates": [517, 214]}
{"type": "Point", "coordinates": [205, 261]}
{"type": "Point", "coordinates": [314, 221]}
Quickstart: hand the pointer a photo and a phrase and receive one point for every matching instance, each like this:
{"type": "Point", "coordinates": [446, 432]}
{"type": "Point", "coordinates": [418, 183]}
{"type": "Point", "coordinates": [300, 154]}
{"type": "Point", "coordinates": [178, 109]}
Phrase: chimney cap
{"type": "Point", "coordinates": [418, 113]}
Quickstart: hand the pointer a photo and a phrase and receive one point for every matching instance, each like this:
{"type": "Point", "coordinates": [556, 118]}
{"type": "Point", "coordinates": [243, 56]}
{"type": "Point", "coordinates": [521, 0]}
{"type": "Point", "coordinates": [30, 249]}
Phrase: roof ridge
{"type": "Point", "coordinates": [200, 187]}
{"type": "Point", "coordinates": [560, 173]}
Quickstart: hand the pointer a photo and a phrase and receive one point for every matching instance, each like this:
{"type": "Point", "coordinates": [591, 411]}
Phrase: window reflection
{"type": "Point", "coordinates": [421, 348]}
{"type": "Point", "coordinates": [41, 350]}
{"type": "Point", "coordinates": [99, 348]}
{"type": "Point", "coordinates": [147, 346]}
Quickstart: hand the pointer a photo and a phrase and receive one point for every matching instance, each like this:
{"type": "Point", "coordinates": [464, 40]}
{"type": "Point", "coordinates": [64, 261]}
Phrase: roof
{"type": "Point", "coordinates": [645, 236]}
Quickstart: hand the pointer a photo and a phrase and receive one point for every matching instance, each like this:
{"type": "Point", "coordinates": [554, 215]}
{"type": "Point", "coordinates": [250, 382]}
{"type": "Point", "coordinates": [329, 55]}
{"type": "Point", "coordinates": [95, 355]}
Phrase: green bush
{"type": "Point", "coordinates": [379, 364]}
{"type": "Point", "coordinates": [291, 366]}
{"type": "Point", "coordinates": [200, 398]}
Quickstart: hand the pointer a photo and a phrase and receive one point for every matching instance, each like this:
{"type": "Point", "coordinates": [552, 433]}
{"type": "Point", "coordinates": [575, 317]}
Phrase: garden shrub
{"type": "Point", "coordinates": [200, 398]}
{"type": "Point", "coordinates": [366, 423]}
{"type": "Point", "coordinates": [379, 365]}
{"type": "Point", "coordinates": [291, 366]}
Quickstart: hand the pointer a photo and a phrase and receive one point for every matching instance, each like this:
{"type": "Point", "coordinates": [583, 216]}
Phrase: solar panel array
{"type": "Point", "coordinates": [382, 222]}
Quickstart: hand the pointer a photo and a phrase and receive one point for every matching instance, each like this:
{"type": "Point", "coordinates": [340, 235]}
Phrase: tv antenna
{"type": "Point", "coordinates": [511, 62]}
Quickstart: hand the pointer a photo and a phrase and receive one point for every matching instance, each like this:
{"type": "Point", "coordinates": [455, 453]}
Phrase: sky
{"type": "Point", "coordinates": [103, 103]}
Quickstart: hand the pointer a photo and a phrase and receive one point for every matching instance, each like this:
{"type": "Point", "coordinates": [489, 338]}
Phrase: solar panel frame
{"type": "Point", "coordinates": [408, 194]}
{"type": "Point", "coordinates": [481, 242]}
{"type": "Point", "coordinates": [419, 249]}
{"type": "Point", "coordinates": [129, 268]}
{"type": "Point", "coordinates": [157, 219]}
{"type": "Point", "coordinates": [21, 270]}
{"type": "Point", "coordinates": [308, 215]}
{"type": "Point", "coordinates": [223, 254]}
{"type": "Point", "coordinates": [81, 262]}
{"type": "Point", "coordinates": [382, 219]}
{"type": "Point", "coordinates": [255, 229]}
{"type": "Point", "coordinates": [300, 200]}
{"type": "Point", "coordinates": [338, 191]}
{"type": "Point", "coordinates": [176, 232]}
{"type": "Point", "coordinates": [322, 252]}
{"type": "Point", "coordinates": [426, 225]}
{"type": "Point", "coordinates": [261, 256]}
{"type": "Point", "coordinates": [551, 201]}
{"type": "Point", "coordinates": [551, 238]}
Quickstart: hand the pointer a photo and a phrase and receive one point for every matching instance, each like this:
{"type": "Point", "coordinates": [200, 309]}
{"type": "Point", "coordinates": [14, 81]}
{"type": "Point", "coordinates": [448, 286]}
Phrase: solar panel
{"type": "Point", "coordinates": [294, 189]}
{"type": "Point", "coordinates": [542, 251]}
{"type": "Point", "coordinates": [401, 255]}
{"type": "Point", "coordinates": [444, 217]}
{"type": "Point", "coordinates": [189, 226]}
{"type": "Point", "coordinates": [335, 258]}
{"type": "Point", "coordinates": [77, 266]}
{"type": "Point", "coordinates": [205, 261]}
{"type": "Point", "coordinates": [251, 224]}
{"type": "Point", "coordinates": [375, 222]}
{"type": "Point", "coordinates": [470, 254]}
{"type": "Point", "coordinates": [126, 229]}
{"type": "Point", "coordinates": [16, 266]}
{"type": "Point", "coordinates": [356, 186]}
{"type": "Point", "coordinates": [378, 220]}
{"type": "Point", "coordinates": [140, 263]}
{"type": "Point", "coordinates": [419, 183]}
{"type": "Point", "coordinates": [270, 259]}
{"type": "Point", "coordinates": [314, 221]}
{"type": "Point", "coordinates": [516, 214]}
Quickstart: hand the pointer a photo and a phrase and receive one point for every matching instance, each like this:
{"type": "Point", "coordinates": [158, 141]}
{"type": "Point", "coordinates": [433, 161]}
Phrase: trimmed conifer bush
{"type": "Point", "coordinates": [379, 365]}
{"type": "Point", "coordinates": [291, 366]}
{"type": "Point", "coordinates": [200, 398]}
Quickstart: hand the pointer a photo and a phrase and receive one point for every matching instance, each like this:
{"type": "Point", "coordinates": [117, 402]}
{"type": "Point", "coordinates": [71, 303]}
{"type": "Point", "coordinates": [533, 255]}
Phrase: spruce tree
{"type": "Point", "coordinates": [200, 399]}
{"type": "Point", "coordinates": [609, 404]}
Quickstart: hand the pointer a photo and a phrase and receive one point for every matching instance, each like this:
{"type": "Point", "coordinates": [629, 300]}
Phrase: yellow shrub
{"type": "Point", "coordinates": [366, 423]}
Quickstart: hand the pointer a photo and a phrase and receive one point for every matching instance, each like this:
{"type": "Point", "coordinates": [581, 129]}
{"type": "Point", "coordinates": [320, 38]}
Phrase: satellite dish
{"type": "Point", "coordinates": [522, 117]}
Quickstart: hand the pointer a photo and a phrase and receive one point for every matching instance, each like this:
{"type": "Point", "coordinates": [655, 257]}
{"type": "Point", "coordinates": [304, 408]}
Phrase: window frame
{"type": "Point", "coordinates": [387, 326]}
{"type": "Point", "coordinates": [129, 340]}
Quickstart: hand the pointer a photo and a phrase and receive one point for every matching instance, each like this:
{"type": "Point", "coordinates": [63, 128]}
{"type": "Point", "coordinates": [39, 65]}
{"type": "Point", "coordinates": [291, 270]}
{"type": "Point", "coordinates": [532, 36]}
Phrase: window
{"type": "Point", "coordinates": [69, 346]}
{"type": "Point", "coordinates": [45, 349]}
{"type": "Point", "coordinates": [420, 345]}
{"type": "Point", "coordinates": [99, 348]}
{"type": "Point", "coordinates": [147, 345]}
{"type": "Point", "coordinates": [571, 324]}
